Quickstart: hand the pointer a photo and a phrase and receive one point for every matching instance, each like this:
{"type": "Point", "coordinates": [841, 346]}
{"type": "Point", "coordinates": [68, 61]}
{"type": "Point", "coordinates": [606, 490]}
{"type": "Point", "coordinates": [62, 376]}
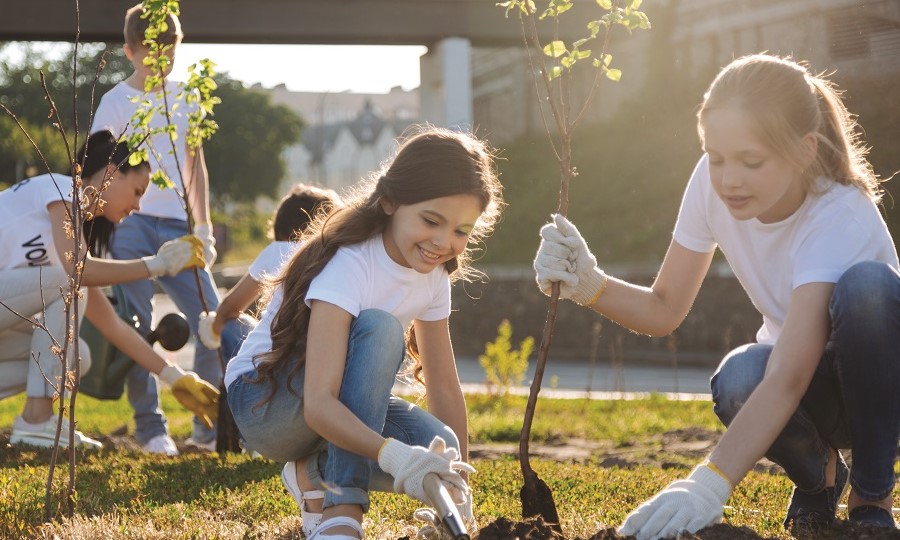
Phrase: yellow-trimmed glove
{"type": "Point", "coordinates": [686, 505]}
{"type": "Point", "coordinates": [196, 260]}
{"type": "Point", "coordinates": [409, 465]}
{"type": "Point", "coordinates": [194, 394]}
{"type": "Point", "coordinates": [204, 231]}
{"type": "Point", "coordinates": [174, 256]}
{"type": "Point", "coordinates": [564, 257]}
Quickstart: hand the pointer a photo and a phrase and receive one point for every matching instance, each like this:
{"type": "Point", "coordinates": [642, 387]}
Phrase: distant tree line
{"type": "Point", "coordinates": [244, 158]}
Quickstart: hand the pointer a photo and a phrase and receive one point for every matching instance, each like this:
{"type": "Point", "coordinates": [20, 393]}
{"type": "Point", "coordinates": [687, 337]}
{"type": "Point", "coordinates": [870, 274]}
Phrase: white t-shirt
{"type": "Point", "coordinates": [270, 260]}
{"type": "Point", "coordinates": [358, 277]}
{"type": "Point", "coordinates": [26, 231]}
{"type": "Point", "coordinates": [832, 230]}
{"type": "Point", "coordinates": [114, 113]}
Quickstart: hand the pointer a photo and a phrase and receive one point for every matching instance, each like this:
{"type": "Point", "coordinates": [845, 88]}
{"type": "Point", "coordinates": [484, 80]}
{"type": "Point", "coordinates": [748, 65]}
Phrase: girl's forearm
{"type": "Point", "coordinates": [659, 309]}
{"type": "Point", "coordinates": [102, 315]}
{"type": "Point", "coordinates": [449, 406]}
{"type": "Point", "coordinates": [338, 425]}
{"type": "Point", "coordinates": [238, 299]}
{"type": "Point", "coordinates": [103, 272]}
{"type": "Point", "coordinates": [755, 428]}
{"type": "Point", "coordinates": [640, 309]}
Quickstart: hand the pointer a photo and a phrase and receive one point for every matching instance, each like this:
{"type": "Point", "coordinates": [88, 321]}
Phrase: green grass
{"type": "Point", "coordinates": [122, 494]}
{"type": "Point", "coordinates": [620, 422]}
{"type": "Point", "coordinates": [96, 416]}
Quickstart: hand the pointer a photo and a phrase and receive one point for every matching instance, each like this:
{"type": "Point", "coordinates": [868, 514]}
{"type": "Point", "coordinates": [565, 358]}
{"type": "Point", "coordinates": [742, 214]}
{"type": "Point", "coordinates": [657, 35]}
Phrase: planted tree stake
{"type": "Point", "coordinates": [557, 60]}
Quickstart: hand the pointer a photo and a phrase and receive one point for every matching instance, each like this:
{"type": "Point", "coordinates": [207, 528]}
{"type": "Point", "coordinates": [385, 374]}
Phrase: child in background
{"type": "Point", "coordinates": [785, 191]}
{"type": "Point", "coordinates": [34, 276]}
{"type": "Point", "coordinates": [311, 386]}
{"type": "Point", "coordinates": [292, 217]}
{"type": "Point", "coordinates": [161, 218]}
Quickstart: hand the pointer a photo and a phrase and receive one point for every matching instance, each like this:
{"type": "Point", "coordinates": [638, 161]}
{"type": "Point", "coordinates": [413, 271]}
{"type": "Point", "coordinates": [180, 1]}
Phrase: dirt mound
{"type": "Point", "coordinates": [537, 529]}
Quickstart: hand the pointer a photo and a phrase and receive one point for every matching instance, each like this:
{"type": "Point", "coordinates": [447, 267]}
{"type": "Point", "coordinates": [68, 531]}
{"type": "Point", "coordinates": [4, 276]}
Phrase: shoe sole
{"type": "Point", "coordinates": [43, 442]}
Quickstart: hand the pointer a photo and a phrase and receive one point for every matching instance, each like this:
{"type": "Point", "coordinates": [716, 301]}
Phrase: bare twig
{"type": "Point", "coordinates": [536, 496]}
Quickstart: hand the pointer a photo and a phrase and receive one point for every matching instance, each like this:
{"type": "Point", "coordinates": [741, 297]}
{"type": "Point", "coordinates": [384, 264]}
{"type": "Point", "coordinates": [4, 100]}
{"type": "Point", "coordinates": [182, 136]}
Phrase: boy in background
{"type": "Point", "coordinates": [294, 213]}
{"type": "Point", "coordinates": [162, 217]}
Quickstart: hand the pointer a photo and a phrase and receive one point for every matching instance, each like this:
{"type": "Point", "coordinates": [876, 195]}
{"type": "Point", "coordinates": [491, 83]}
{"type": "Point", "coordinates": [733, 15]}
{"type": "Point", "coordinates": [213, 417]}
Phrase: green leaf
{"type": "Point", "coordinates": [555, 8]}
{"type": "Point", "coordinates": [605, 4]}
{"type": "Point", "coordinates": [636, 4]}
{"type": "Point", "coordinates": [636, 19]}
{"type": "Point", "coordinates": [555, 49]}
{"type": "Point", "coordinates": [136, 158]}
{"type": "Point", "coordinates": [160, 180]}
{"type": "Point", "coordinates": [614, 74]}
{"type": "Point", "coordinates": [525, 7]}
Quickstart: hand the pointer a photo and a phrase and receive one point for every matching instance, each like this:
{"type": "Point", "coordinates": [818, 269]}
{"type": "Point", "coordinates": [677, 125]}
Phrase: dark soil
{"type": "Point", "coordinates": [692, 442]}
{"type": "Point", "coordinates": [505, 529]}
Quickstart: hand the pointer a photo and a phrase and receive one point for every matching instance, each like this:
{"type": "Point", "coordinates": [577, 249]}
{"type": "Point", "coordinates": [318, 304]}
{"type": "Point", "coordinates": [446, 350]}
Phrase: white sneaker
{"type": "Point", "coordinates": [44, 433]}
{"type": "Point", "coordinates": [208, 446]}
{"type": "Point", "coordinates": [161, 444]}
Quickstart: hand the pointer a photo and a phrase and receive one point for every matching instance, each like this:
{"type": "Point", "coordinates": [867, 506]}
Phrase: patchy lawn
{"type": "Point", "coordinates": [600, 458]}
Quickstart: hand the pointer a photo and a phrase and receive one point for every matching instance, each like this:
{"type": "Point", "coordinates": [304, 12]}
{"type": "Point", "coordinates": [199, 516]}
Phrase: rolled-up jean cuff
{"type": "Point", "coordinates": [313, 468]}
{"type": "Point", "coordinates": [338, 496]}
{"type": "Point", "coordinates": [867, 495]}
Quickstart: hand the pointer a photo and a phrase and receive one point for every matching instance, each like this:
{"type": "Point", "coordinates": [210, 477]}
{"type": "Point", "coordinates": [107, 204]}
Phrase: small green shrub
{"type": "Point", "coordinates": [504, 367]}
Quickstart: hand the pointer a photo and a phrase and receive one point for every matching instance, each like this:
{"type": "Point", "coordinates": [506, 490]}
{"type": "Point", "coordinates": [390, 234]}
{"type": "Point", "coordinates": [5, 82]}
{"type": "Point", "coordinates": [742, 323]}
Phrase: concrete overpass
{"type": "Point", "coordinates": [332, 22]}
{"type": "Point", "coordinates": [449, 28]}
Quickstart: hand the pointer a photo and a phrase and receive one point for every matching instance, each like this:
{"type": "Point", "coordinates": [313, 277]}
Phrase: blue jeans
{"type": "Point", "coordinates": [277, 430]}
{"type": "Point", "coordinates": [139, 236]}
{"type": "Point", "coordinates": [853, 400]}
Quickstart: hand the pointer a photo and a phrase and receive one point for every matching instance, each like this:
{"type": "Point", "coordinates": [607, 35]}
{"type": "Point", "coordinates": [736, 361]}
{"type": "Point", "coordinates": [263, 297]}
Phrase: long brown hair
{"type": "Point", "coordinates": [785, 101]}
{"type": "Point", "coordinates": [430, 164]}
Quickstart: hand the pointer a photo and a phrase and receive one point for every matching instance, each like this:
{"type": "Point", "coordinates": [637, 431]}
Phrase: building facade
{"type": "Point", "coordinates": [347, 135]}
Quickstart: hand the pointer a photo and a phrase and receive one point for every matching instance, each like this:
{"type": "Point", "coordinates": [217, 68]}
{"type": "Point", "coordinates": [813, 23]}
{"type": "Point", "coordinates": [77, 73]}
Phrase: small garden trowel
{"type": "Point", "coordinates": [446, 509]}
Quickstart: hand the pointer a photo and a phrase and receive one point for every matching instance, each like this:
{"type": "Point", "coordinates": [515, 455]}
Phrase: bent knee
{"type": "Point", "coordinates": [863, 290]}
{"type": "Point", "coordinates": [731, 387]}
{"type": "Point", "coordinates": [381, 326]}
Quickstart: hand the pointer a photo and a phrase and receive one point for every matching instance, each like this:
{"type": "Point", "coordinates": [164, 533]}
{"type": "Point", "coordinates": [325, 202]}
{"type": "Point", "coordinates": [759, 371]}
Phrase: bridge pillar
{"type": "Point", "coordinates": [446, 84]}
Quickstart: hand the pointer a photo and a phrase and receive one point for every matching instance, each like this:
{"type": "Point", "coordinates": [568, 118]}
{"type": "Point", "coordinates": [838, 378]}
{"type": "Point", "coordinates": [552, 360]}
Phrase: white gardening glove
{"type": "Point", "coordinates": [204, 231]}
{"type": "Point", "coordinates": [409, 465]}
{"type": "Point", "coordinates": [685, 505]}
{"type": "Point", "coordinates": [564, 257]}
{"type": "Point", "coordinates": [175, 256]}
{"type": "Point", "coordinates": [432, 530]}
{"type": "Point", "coordinates": [207, 333]}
